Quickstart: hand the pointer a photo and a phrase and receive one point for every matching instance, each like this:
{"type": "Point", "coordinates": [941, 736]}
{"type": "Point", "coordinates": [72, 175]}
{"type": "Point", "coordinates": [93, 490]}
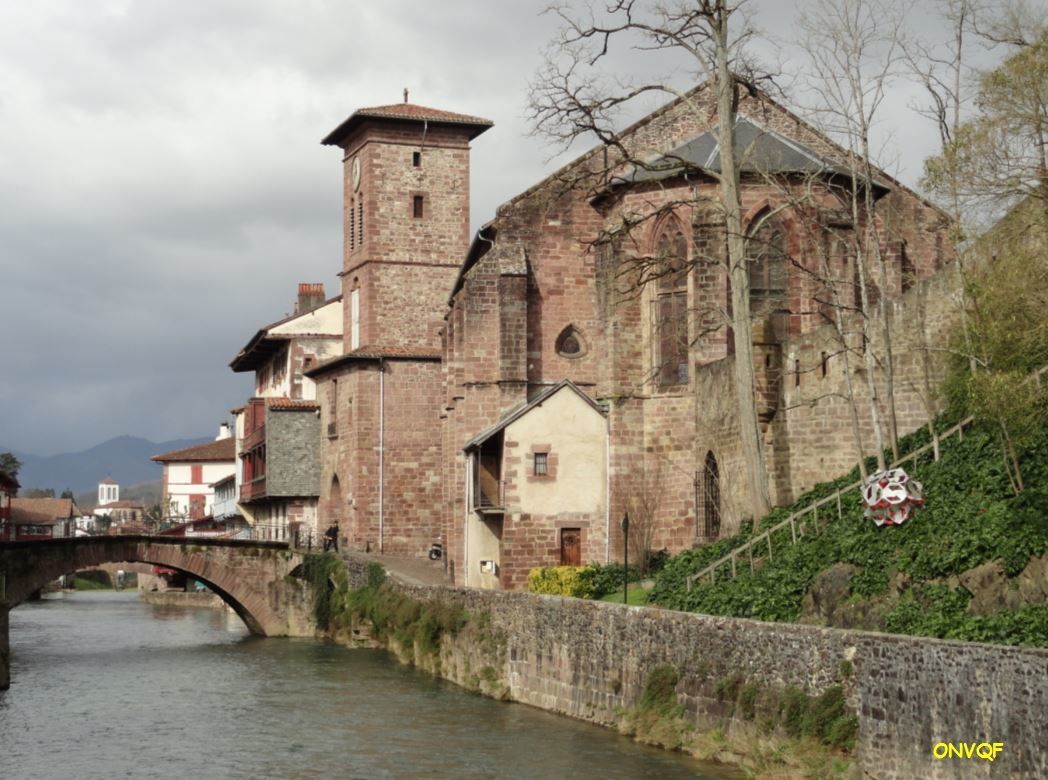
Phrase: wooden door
{"type": "Point", "coordinates": [570, 547]}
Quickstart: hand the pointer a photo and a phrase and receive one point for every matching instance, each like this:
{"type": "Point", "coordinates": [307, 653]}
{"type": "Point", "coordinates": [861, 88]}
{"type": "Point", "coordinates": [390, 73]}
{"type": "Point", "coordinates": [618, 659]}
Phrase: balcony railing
{"type": "Point", "coordinates": [490, 494]}
{"type": "Point", "coordinates": [256, 488]}
{"type": "Point", "coordinates": [254, 439]}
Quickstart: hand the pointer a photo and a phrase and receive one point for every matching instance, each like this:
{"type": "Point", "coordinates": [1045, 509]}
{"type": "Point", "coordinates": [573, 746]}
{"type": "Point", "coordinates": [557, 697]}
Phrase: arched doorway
{"type": "Point", "coordinates": [335, 506]}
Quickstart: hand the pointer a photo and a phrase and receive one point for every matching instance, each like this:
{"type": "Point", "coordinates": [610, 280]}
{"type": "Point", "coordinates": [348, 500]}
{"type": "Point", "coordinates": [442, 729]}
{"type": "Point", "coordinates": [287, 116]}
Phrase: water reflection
{"type": "Point", "coordinates": [104, 686]}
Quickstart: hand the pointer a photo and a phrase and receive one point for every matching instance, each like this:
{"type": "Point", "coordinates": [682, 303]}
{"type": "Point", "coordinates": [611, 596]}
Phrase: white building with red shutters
{"type": "Point", "coordinates": [190, 474]}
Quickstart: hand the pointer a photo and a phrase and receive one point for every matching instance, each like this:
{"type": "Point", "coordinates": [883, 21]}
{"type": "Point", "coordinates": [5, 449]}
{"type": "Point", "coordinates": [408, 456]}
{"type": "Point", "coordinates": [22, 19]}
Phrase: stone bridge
{"type": "Point", "coordinates": [252, 577]}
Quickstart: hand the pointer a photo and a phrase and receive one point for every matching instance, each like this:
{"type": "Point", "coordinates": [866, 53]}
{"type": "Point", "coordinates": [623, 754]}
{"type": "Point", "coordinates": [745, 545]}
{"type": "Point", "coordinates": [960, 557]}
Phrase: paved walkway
{"type": "Point", "coordinates": [414, 571]}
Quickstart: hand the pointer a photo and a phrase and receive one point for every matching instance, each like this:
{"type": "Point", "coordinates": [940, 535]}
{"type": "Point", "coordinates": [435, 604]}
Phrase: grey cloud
{"type": "Point", "coordinates": [163, 189]}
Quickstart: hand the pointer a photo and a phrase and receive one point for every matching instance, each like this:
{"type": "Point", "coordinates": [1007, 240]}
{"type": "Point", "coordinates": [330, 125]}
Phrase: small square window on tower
{"type": "Point", "coordinates": [417, 206]}
{"type": "Point", "coordinates": [541, 464]}
{"type": "Point", "coordinates": [416, 159]}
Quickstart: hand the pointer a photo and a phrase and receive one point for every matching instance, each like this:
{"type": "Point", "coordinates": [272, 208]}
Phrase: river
{"type": "Point", "coordinates": [104, 686]}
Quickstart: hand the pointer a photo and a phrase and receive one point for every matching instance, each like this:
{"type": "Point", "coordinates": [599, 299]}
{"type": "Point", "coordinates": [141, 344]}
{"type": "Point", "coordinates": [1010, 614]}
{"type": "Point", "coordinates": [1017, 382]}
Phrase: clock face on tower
{"type": "Point", "coordinates": [355, 173]}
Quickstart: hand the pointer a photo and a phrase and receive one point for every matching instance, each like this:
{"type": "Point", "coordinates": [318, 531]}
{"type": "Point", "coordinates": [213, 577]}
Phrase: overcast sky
{"type": "Point", "coordinates": [163, 188]}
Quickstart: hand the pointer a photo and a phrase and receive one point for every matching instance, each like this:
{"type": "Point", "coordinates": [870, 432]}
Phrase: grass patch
{"type": "Point", "coordinates": [658, 719]}
{"type": "Point", "coordinates": [638, 597]}
{"type": "Point", "coordinates": [80, 583]}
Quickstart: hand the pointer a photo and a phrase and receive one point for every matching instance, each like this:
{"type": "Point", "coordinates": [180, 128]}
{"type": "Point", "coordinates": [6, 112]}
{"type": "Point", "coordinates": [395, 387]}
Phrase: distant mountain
{"type": "Point", "coordinates": [125, 458]}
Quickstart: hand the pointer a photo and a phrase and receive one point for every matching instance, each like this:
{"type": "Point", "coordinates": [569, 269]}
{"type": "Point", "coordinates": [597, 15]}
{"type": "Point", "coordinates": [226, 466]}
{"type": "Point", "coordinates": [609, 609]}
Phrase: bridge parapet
{"type": "Point", "coordinates": [252, 577]}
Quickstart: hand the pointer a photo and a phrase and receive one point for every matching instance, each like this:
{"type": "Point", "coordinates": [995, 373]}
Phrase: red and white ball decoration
{"type": "Point", "coordinates": [890, 496]}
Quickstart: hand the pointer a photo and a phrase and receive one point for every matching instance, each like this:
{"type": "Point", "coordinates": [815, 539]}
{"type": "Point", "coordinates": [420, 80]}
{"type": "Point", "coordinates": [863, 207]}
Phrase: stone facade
{"type": "Point", "coordinates": [293, 458]}
{"type": "Point", "coordinates": [406, 227]}
{"type": "Point", "coordinates": [545, 294]}
{"type": "Point", "coordinates": [539, 272]}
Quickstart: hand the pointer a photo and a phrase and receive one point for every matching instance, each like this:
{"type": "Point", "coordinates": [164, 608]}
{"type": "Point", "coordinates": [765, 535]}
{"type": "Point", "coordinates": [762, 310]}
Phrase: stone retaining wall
{"type": "Point", "coordinates": [5, 650]}
{"type": "Point", "coordinates": [590, 660]}
{"type": "Point", "coordinates": [180, 598]}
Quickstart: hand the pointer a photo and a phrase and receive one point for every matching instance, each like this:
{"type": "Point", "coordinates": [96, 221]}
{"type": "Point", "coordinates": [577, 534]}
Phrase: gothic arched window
{"type": "Point", "coordinates": [709, 504]}
{"type": "Point", "coordinates": [766, 256]}
{"type": "Point", "coordinates": [670, 315]}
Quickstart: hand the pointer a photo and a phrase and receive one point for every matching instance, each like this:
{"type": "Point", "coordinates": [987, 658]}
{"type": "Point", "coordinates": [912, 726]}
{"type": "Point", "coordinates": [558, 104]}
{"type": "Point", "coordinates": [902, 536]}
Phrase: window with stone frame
{"type": "Point", "coordinates": [907, 271]}
{"type": "Point", "coordinates": [332, 421]}
{"type": "Point", "coordinates": [767, 264]}
{"type": "Point", "coordinates": [541, 464]}
{"type": "Point", "coordinates": [670, 308]}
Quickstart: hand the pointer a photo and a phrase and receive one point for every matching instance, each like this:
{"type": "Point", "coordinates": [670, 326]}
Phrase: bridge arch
{"type": "Point", "coordinates": [248, 576]}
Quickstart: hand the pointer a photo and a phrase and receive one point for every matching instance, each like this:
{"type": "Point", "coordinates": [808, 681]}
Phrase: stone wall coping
{"type": "Point", "coordinates": [846, 636]}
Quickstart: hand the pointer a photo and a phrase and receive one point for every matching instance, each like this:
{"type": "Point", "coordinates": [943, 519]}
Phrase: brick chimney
{"type": "Point", "coordinates": [310, 296]}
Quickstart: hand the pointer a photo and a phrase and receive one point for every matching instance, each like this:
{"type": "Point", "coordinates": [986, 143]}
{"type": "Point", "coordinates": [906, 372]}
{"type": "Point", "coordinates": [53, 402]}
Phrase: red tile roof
{"type": "Point", "coordinates": [42, 511]}
{"type": "Point", "coordinates": [213, 451]}
{"type": "Point", "coordinates": [122, 505]}
{"type": "Point", "coordinates": [407, 112]}
{"type": "Point", "coordinates": [414, 111]}
{"type": "Point", "coordinates": [108, 481]}
{"type": "Point", "coordinates": [288, 403]}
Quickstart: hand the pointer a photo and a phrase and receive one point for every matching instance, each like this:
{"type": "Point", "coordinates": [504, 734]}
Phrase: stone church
{"type": "Point", "coordinates": [510, 395]}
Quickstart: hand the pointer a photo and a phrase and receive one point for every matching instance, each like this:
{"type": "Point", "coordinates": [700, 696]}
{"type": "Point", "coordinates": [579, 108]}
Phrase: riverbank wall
{"type": "Point", "coordinates": [180, 598]}
{"type": "Point", "coordinates": [5, 647]}
{"type": "Point", "coordinates": [908, 695]}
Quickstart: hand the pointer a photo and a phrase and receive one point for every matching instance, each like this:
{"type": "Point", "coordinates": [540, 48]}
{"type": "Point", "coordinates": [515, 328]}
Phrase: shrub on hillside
{"type": "Point", "coordinates": [562, 581]}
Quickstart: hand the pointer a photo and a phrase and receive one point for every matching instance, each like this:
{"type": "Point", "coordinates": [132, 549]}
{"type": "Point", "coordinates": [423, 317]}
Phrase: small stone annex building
{"type": "Point", "coordinates": [512, 396]}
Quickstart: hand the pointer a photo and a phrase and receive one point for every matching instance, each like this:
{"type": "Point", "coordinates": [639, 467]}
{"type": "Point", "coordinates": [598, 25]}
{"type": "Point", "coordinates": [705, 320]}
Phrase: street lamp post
{"type": "Point", "coordinates": [625, 557]}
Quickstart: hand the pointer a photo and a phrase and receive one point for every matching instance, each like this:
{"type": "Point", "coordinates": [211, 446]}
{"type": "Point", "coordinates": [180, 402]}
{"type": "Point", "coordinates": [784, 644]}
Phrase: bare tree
{"type": "Point", "coordinates": [854, 53]}
{"type": "Point", "coordinates": [944, 70]}
{"type": "Point", "coordinates": [1000, 156]}
{"type": "Point", "coordinates": [573, 100]}
{"type": "Point", "coordinates": [644, 497]}
{"type": "Point", "coordinates": [1014, 22]}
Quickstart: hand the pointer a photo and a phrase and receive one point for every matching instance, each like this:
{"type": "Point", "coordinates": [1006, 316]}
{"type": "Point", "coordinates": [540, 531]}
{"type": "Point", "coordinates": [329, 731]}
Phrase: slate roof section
{"type": "Point", "coordinates": [376, 353]}
{"type": "Point", "coordinates": [407, 112]}
{"type": "Point", "coordinates": [42, 511]}
{"type": "Point", "coordinates": [758, 150]}
{"type": "Point", "coordinates": [213, 452]}
{"type": "Point", "coordinates": [521, 410]}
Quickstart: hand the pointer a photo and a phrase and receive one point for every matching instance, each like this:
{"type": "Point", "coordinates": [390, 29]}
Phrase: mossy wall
{"type": "Point", "coordinates": [891, 698]}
